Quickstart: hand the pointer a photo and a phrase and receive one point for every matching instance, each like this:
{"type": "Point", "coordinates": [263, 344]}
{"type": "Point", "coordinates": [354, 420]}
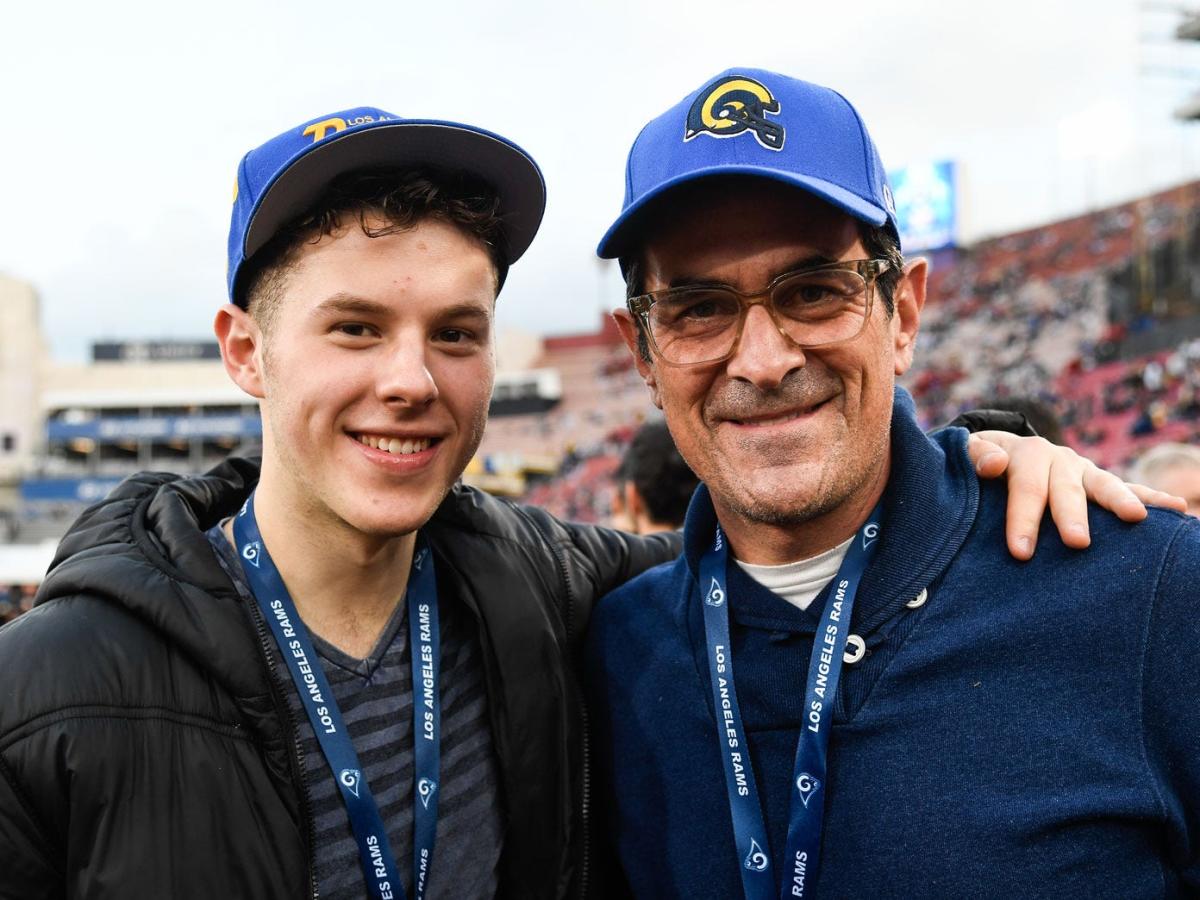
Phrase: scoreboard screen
{"type": "Point", "coordinates": [926, 206]}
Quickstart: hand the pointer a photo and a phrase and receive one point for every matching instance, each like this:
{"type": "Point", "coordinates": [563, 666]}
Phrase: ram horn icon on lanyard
{"type": "Point", "coordinates": [756, 860]}
{"type": "Point", "coordinates": [870, 533]}
{"type": "Point", "coordinates": [807, 786]}
{"type": "Point", "coordinates": [351, 779]}
{"type": "Point", "coordinates": [716, 596]}
{"type": "Point", "coordinates": [425, 789]}
{"type": "Point", "coordinates": [251, 553]}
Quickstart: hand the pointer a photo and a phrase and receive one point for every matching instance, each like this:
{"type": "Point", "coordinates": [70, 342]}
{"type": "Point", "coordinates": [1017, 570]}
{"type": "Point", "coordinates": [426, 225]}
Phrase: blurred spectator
{"type": "Point", "coordinates": [1040, 415]}
{"type": "Point", "coordinates": [654, 484]}
{"type": "Point", "coordinates": [15, 599]}
{"type": "Point", "coordinates": [1151, 420]}
{"type": "Point", "coordinates": [1174, 468]}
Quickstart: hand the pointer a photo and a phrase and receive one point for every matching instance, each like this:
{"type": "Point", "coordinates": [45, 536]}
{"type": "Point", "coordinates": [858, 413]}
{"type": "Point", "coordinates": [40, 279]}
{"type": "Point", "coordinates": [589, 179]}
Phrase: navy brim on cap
{"type": "Point", "coordinates": [283, 178]}
{"type": "Point", "coordinates": [758, 124]}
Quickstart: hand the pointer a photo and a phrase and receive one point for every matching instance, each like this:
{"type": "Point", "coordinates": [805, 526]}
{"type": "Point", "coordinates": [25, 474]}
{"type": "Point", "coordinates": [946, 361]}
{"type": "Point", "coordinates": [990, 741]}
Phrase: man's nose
{"type": "Point", "coordinates": [404, 379]}
{"type": "Point", "coordinates": [764, 355]}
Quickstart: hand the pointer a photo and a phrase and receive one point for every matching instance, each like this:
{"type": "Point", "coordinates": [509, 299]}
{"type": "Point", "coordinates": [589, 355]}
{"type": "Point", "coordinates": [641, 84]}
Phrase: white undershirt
{"type": "Point", "coordinates": [799, 582]}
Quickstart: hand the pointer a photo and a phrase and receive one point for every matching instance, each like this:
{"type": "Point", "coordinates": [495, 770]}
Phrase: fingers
{"type": "Point", "coordinates": [1069, 495]}
{"type": "Point", "coordinates": [1110, 492]}
{"type": "Point", "coordinates": [1028, 491]}
{"type": "Point", "coordinates": [988, 457]}
{"type": "Point", "coordinates": [1028, 463]}
{"type": "Point", "coordinates": [1042, 475]}
{"type": "Point", "coordinates": [1151, 497]}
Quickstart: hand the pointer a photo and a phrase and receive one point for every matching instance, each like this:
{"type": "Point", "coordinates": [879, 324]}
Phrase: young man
{"type": "Point", "coordinates": [182, 744]}
{"type": "Point", "coordinates": [342, 674]}
{"type": "Point", "coordinates": [909, 712]}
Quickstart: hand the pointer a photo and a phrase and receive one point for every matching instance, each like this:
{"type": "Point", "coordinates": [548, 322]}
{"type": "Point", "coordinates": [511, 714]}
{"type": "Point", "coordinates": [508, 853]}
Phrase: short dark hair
{"type": "Point", "coordinates": [402, 198]}
{"type": "Point", "coordinates": [878, 240]}
{"type": "Point", "coordinates": [657, 470]}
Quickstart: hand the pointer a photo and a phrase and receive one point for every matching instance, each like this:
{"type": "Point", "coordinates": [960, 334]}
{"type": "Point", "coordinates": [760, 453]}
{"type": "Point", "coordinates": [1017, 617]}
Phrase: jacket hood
{"type": "Point", "coordinates": [144, 549]}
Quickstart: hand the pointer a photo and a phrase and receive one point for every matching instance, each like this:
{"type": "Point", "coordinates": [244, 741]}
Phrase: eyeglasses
{"type": "Point", "coordinates": [815, 307]}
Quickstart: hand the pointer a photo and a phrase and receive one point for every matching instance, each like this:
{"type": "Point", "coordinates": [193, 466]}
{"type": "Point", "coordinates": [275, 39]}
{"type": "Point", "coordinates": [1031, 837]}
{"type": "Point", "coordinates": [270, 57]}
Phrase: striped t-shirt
{"type": "Point", "coordinates": [376, 699]}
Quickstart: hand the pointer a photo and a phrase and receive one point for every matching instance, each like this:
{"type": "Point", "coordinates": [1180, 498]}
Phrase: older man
{"type": "Point", "coordinates": [907, 711]}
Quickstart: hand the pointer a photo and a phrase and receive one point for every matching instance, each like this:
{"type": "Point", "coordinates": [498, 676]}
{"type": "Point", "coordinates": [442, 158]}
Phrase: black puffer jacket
{"type": "Point", "coordinates": [146, 747]}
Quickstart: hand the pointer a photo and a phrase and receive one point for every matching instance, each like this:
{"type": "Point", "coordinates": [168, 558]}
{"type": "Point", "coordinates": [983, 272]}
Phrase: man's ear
{"type": "Point", "coordinates": [630, 332]}
{"type": "Point", "coordinates": [634, 507]}
{"type": "Point", "coordinates": [242, 349]}
{"type": "Point", "coordinates": [909, 300]}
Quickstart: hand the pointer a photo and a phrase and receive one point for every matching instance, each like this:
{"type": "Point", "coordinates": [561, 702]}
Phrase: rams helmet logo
{"type": "Point", "coordinates": [732, 106]}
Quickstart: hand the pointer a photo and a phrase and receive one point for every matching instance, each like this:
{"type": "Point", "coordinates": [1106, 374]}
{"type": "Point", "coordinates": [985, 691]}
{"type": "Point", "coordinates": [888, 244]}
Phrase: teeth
{"type": "Point", "coordinates": [777, 420]}
{"type": "Point", "coordinates": [395, 445]}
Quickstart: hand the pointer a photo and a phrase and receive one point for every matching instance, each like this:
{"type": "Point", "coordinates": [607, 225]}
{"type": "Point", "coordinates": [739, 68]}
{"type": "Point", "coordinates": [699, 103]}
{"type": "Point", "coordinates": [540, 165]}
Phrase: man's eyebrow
{"type": "Point", "coordinates": [465, 309]}
{"type": "Point", "coordinates": [350, 303]}
{"type": "Point", "coordinates": [805, 262]}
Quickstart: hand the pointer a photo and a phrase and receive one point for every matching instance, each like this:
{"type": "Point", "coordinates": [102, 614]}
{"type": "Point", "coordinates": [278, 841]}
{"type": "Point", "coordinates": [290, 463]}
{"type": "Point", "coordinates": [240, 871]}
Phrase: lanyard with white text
{"type": "Point", "coordinates": [807, 807]}
{"type": "Point", "coordinates": [378, 861]}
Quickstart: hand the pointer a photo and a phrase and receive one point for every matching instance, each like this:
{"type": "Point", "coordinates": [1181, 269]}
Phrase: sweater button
{"type": "Point", "coordinates": [856, 649]}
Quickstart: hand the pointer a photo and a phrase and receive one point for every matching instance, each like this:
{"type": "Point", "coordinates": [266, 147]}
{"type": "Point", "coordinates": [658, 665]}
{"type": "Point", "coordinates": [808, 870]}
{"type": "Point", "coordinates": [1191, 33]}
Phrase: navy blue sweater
{"type": "Point", "coordinates": [1033, 730]}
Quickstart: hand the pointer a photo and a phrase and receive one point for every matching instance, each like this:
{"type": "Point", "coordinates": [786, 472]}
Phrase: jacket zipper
{"type": "Point", "coordinates": [297, 758]}
{"type": "Point", "coordinates": [585, 805]}
{"type": "Point", "coordinates": [586, 791]}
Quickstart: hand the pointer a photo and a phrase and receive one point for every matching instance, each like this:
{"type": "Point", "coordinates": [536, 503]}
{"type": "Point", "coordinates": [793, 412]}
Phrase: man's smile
{"type": "Point", "coordinates": [394, 444]}
{"type": "Point", "coordinates": [771, 418]}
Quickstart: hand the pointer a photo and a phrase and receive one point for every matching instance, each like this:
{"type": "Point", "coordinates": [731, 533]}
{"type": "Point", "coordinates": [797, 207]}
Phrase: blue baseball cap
{"type": "Point", "coordinates": [761, 124]}
{"type": "Point", "coordinates": [280, 180]}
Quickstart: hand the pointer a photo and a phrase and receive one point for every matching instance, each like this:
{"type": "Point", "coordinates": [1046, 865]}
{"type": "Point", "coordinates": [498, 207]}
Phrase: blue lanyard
{"type": "Point", "coordinates": [375, 852]}
{"type": "Point", "coordinates": [807, 813]}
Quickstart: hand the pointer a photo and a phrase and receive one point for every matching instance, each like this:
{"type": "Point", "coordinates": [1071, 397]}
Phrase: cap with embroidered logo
{"type": "Point", "coordinates": [761, 124]}
{"type": "Point", "coordinates": [281, 179]}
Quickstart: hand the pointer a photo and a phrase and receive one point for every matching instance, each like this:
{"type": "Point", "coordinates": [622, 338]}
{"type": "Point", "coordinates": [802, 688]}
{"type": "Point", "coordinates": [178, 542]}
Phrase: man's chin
{"type": "Point", "coordinates": [780, 505]}
{"type": "Point", "coordinates": [400, 514]}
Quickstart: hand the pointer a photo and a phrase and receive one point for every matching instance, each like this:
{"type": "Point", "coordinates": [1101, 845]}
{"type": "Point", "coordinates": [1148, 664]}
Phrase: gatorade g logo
{"type": "Point", "coordinates": [732, 106]}
{"type": "Point", "coordinates": [756, 860]}
{"type": "Point", "coordinates": [251, 553]}
{"type": "Point", "coordinates": [350, 779]}
{"type": "Point", "coordinates": [807, 786]}
{"type": "Point", "coordinates": [425, 789]}
{"type": "Point", "coordinates": [716, 596]}
{"type": "Point", "coordinates": [870, 534]}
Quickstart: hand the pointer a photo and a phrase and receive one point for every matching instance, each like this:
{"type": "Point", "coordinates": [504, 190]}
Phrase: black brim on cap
{"type": "Point", "coordinates": [443, 145]}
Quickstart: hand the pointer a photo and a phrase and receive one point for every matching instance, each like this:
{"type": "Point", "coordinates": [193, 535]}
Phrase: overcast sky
{"type": "Point", "coordinates": [122, 123]}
